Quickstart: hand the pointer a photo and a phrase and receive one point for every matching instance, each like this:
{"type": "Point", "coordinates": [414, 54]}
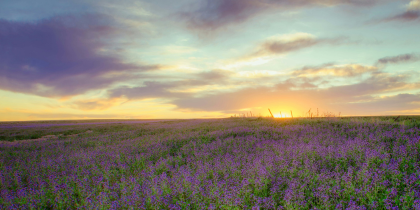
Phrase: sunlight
{"type": "Point", "coordinates": [282, 115]}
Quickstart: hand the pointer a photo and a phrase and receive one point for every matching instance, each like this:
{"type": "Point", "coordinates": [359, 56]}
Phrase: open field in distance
{"type": "Point", "coordinates": [233, 163]}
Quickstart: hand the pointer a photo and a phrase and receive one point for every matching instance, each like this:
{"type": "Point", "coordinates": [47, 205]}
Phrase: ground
{"type": "Point", "coordinates": [233, 163]}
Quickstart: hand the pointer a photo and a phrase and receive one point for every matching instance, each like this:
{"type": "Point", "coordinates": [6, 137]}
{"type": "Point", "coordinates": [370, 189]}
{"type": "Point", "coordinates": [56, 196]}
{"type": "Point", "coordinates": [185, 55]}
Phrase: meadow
{"type": "Point", "coordinates": [233, 163]}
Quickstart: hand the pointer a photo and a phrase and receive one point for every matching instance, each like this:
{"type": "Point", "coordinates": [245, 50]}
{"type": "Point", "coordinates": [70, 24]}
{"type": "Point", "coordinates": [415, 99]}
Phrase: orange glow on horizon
{"type": "Point", "coordinates": [282, 115]}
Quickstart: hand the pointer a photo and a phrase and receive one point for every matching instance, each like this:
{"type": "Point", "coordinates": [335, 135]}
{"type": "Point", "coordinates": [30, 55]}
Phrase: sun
{"type": "Point", "coordinates": [282, 115]}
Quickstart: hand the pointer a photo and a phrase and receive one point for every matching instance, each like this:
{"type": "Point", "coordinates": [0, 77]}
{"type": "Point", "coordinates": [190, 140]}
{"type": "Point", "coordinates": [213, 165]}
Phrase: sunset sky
{"type": "Point", "coordinates": [82, 59]}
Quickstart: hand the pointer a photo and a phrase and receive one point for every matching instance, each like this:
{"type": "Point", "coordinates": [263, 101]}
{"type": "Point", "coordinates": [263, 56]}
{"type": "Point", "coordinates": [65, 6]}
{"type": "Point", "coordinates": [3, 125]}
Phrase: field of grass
{"type": "Point", "coordinates": [234, 163]}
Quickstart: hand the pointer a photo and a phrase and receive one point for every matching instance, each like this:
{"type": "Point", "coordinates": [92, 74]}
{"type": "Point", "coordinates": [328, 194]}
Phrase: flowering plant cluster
{"type": "Point", "coordinates": [218, 164]}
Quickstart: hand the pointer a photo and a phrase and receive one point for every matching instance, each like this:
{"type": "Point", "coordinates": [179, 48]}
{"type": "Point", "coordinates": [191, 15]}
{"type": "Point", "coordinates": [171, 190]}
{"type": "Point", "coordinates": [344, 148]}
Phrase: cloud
{"type": "Point", "coordinates": [412, 13]}
{"type": "Point", "coordinates": [414, 5]}
{"type": "Point", "coordinates": [79, 116]}
{"type": "Point", "coordinates": [281, 45]}
{"type": "Point", "coordinates": [30, 10]}
{"type": "Point", "coordinates": [377, 83]}
{"type": "Point", "coordinates": [299, 94]}
{"type": "Point", "coordinates": [393, 104]}
{"type": "Point", "coordinates": [170, 89]}
{"type": "Point", "coordinates": [285, 44]}
{"type": "Point", "coordinates": [305, 86]}
{"type": "Point", "coordinates": [97, 104]}
{"type": "Point", "coordinates": [60, 56]}
{"type": "Point", "coordinates": [149, 90]}
{"type": "Point", "coordinates": [405, 58]}
{"type": "Point", "coordinates": [213, 15]}
{"type": "Point", "coordinates": [348, 70]}
{"type": "Point", "coordinates": [406, 16]}
{"type": "Point", "coordinates": [25, 115]}
{"type": "Point", "coordinates": [216, 75]}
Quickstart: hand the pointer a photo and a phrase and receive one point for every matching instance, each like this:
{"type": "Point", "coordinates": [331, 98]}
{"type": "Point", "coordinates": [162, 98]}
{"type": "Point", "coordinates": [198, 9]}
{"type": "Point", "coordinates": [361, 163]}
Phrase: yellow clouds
{"type": "Point", "coordinates": [413, 5]}
{"type": "Point", "coordinates": [290, 37]}
{"type": "Point", "coordinates": [250, 61]}
{"type": "Point", "coordinates": [347, 70]}
{"type": "Point", "coordinates": [98, 104]}
{"type": "Point", "coordinates": [258, 74]}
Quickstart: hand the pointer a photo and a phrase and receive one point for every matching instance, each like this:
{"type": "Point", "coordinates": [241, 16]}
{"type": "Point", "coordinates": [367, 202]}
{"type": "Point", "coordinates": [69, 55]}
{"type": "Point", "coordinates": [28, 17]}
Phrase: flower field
{"type": "Point", "coordinates": [235, 163]}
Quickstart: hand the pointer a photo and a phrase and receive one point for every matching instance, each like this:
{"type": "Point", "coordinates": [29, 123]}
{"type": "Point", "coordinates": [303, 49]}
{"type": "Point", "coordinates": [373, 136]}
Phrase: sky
{"type": "Point", "coordinates": [127, 59]}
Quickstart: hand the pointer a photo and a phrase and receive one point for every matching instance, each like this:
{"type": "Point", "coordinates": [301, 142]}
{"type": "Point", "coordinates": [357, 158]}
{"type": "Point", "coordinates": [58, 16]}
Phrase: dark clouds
{"type": "Point", "coordinates": [405, 17]}
{"type": "Point", "coordinates": [212, 15]}
{"type": "Point", "coordinates": [405, 58]}
{"type": "Point", "coordinates": [300, 42]}
{"type": "Point", "coordinates": [377, 83]}
{"type": "Point", "coordinates": [396, 104]}
{"type": "Point", "coordinates": [149, 90]}
{"type": "Point", "coordinates": [412, 13]}
{"type": "Point", "coordinates": [280, 45]}
{"type": "Point", "coordinates": [170, 89]}
{"type": "Point", "coordinates": [216, 75]}
{"type": "Point", "coordinates": [59, 56]}
{"type": "Point", "coordinates": [285, 46]}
